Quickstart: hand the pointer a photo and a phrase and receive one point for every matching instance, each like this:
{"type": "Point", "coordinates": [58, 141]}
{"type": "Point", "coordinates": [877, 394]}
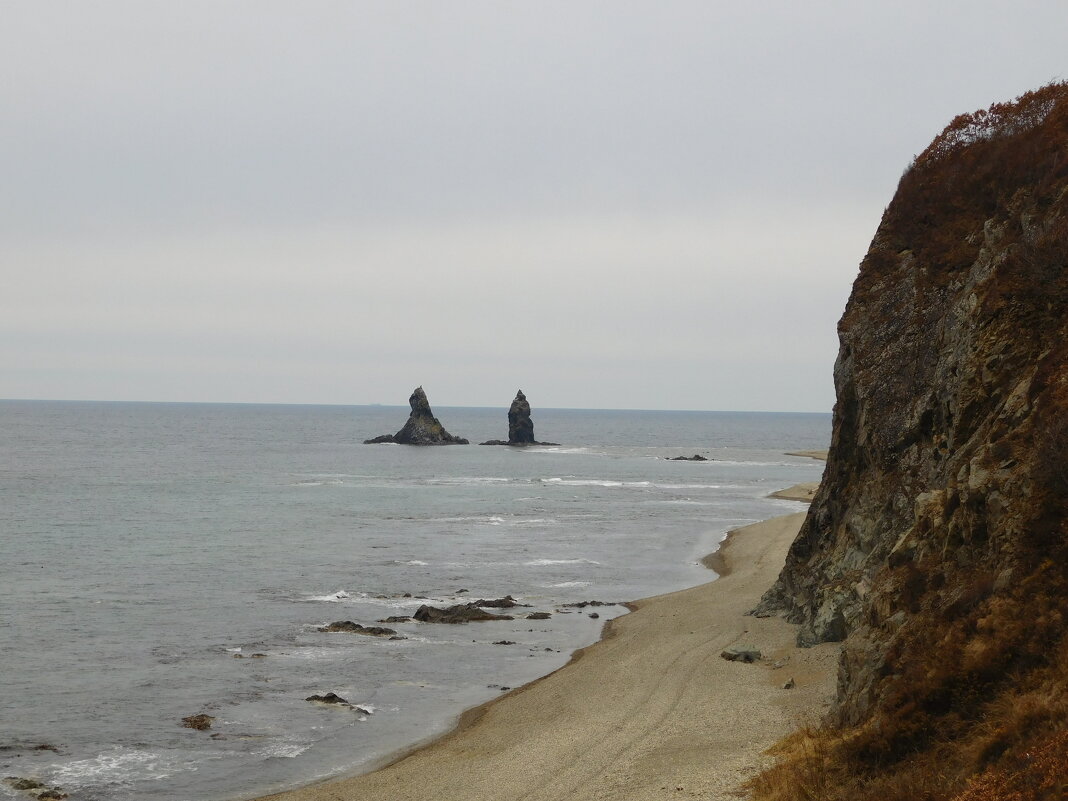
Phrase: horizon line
{"type": "Point", "coordinates": [401, 406]}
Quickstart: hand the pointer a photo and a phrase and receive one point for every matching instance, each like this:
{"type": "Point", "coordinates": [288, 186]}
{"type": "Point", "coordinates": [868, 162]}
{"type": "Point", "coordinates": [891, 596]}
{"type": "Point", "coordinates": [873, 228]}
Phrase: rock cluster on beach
{"type": "Point", "coordinates": [422, 428]}
{"type": "Point", "coordinates": [936, 545]}
{"type": "Point", "coordinates": [520, 425]}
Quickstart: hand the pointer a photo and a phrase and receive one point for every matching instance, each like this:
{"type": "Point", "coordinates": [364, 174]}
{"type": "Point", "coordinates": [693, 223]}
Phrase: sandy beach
{"type": "Point", "coordinates": [650, 711]}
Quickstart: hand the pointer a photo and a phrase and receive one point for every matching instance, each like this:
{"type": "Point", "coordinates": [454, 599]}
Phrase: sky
{"type": "Point", "coordinates": [650, 205]}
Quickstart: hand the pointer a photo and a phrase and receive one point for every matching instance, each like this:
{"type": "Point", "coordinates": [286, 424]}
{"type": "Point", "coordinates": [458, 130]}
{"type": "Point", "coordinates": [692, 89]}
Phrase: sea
{"type": "Point", "coordinates": [165, 560]}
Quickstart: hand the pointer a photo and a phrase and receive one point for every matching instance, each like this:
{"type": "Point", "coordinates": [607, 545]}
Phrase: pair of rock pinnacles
{"type": "Point", "coordinates": [423, 428]}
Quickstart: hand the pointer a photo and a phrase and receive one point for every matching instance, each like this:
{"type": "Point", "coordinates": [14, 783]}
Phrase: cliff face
{"type": "Point", "coordinates": [936, 545]}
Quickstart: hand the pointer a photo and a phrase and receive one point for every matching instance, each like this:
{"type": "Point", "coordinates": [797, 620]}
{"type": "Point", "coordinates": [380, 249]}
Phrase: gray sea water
{"type": "Point", "coordinates": [147, 551]}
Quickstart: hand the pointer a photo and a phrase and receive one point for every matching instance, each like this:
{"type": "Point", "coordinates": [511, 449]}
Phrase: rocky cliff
{"type": "Point", "coordinates": [936, 545]}
{"type": "Point", "coordinates": [422, 428]}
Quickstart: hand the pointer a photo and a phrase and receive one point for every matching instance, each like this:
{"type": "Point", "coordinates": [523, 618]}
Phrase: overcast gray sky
{"type": "Point", "coordinates": [609, 204]}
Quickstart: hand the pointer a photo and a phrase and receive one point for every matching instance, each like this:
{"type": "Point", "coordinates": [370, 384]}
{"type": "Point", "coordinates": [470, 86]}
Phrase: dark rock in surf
{"type": "Point", "coordinates": [349, 627]}
{"type": "Point", "coordinates": [695, 458]}
{"type": "Point", "coordinates": [520, 426]}
{"type": "Point", "coordinates": [460, 613]}
{"type": "Point", "coordinates": [538, 616]}
{"type": "Point", "coordinates": [422, 428]}
{"type": "Point", "coordinates": [507, 602]}
{"type": "Point", "coordinates": [35, 788]}
{"type": "Point", "coordinates": [199, 722]}
{"type": "Point", "coordinates": [333, 699]}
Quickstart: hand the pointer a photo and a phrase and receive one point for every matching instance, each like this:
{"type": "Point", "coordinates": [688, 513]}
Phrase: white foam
{"type": "Point", "coordinates": [122, 765]}
{"type": "Point", "coordinates": [335, 597]}
{"type": "Point", "coordinates": [283, 750]}
{"type": "Point", "coordinates": [321, 482]}
{"type": "Point", "coordinates": [468, 480]}
{"type": "Point", "coordinates": [595, 482]}
{"type": "Point", "coordinates": [696, 486]}
{"type": "Point", "coordinates": [417, 562]}
{"type": "Point", "coordinates": [571, 584]}
{"type": "Point", "coordinates": [545, 562]}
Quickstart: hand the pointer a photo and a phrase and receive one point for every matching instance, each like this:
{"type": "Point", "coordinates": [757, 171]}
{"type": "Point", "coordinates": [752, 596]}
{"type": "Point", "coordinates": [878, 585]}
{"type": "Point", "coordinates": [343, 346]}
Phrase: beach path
{"type": "Point", "coordinates": [650, 711]}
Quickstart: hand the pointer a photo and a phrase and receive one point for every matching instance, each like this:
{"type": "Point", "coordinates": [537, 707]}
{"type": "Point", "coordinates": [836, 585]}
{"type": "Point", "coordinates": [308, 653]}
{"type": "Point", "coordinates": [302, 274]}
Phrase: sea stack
{"type": "Point", "coordinates": [520, 426]}
{"type": "Point", "coordinates": [422, 428]}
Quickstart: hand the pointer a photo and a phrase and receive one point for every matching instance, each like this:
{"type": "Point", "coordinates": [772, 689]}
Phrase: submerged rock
{"type": "Point", "coordinates": [199, 722]}
{"type": "Point", "coordinates": [507, 602]}
{"type": "Point", "coordinates": [333, 699]}
{"type": "Point", "coordinates": [520, 426]}
{"type": "Point", "coordinates": [422, 428]}
{"type": "Point", "coordinates": [35, 788]}
{"type": "Point", "coordinates": [349, 627]}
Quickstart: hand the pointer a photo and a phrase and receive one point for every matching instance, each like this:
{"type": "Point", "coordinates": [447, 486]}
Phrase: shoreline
{"type": "Point", "coordinates": [647, 709]}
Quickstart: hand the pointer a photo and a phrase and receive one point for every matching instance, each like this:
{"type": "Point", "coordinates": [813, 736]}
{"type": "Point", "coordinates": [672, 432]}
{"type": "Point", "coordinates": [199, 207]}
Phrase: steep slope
{"type": "Point", "coordinates": [937, 546]}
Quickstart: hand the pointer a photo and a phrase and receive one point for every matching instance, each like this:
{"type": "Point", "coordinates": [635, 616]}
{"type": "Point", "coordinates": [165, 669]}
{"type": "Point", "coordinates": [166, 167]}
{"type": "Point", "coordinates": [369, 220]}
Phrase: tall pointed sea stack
{"type": "Point", "coordinates": [520, 426]}
{"type": "Point", "coordinates": [422, 428]}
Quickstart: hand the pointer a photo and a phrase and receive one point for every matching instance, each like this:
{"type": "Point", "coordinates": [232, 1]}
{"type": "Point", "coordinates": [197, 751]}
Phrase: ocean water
{"type": "Point", "coordinates": [148, 551]}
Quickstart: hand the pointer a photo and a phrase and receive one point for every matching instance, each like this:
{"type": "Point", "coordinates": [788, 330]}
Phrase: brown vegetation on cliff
{"type": "Point", "coordinates": [937, 546]}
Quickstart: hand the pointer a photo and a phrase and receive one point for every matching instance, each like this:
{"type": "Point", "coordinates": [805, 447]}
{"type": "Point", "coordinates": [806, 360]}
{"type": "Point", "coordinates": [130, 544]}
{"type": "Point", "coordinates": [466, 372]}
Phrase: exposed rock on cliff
{"type": "Point", "coordinates": [936, 544]}
{"type": "Point", "coordinates": [422, 428]}
{"type": "Point", "coordinates": [520, 426]}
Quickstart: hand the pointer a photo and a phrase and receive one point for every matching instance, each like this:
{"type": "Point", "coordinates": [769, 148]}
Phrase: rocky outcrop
{"type": "Point", "coordinates": [695, 458]}
{"type": "Point", "coordinates": [422, 428]}
{"type": "Point", "coordinates": [460, 613]}
{"type": "Point", "coordinates": [936, 546]}
{"type": "Point", "coordinates": [201, 722]}
{"type": "Point", "coordinates": [520, 426]}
